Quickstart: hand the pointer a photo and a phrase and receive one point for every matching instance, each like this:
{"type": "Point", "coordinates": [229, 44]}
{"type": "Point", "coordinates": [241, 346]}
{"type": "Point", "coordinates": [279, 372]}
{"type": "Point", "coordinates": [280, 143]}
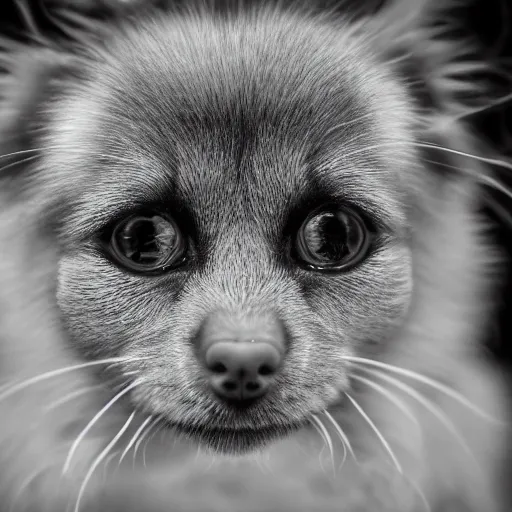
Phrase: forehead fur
{"type": "Point", "coordinates": [200, 106]}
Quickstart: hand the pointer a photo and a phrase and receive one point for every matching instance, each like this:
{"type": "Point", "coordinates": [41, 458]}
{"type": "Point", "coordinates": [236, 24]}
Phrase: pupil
{"type": "Point", "coordinates": [147, 241]}
{"type": "Point", "coordinates": [331, 237]}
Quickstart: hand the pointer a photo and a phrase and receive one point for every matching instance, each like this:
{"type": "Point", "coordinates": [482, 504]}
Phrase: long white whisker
{"type": "Point", "coordinates": [11, 390]}
{"type": "Point", "coordinates": [108, 460]}
{"type": "Point", "coordinates": [491, 161]}
{"type": "Point", "coordinates": [69, 149]}
{"type": "Point", "coordinates": [344, 438]}
{"type": "Point", "coordinates": [378, 433]}
{"type": "Point", "coordinates": [89, 426]}
{"type": "Point", "coordinates": [390, 396]}
{"type": "Point", "coordinates": [75, 394]}
{"type": "Point", "coordinates": [148, 440]}
{"type": "Point", "coordinates": [495, 184]}
{"type": "Point", "coordinates": [483, 178]}
{"type": "Point", "coordinates": [134, 438]}
{"type": "Point", "coordinates": [143, 436]}
{"type": "Point", "coordinates": [99, 459]}
{"type": "Point", "coordinates": [327, 439]}
{"type": "Point", "coordinates": [324, 445]}
{"type": "Point", "coordinates": [458, 397]}
{"type": "Point", "coordinates": [376, 146]}
{"type": "Point", "coordinates": [32, 150]}
{"type": "Point", "coordinates": [348, 123]}
{"type": "Point", "coordinates": [435, 411]}
{"type": "Point", "coordinates": [17, 162]}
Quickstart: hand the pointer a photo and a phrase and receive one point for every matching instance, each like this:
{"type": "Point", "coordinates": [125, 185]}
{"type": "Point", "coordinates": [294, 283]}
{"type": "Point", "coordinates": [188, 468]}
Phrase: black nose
{"type": "Point", "coordinates": [242, 371]}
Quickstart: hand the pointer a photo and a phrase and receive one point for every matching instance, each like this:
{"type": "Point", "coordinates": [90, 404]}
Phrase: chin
{"type": "Point", "coordinates": [235, 441]}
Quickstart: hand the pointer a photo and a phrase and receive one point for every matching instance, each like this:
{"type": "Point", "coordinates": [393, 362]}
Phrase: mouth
{"type": "Point", "coordinates": [235, 441]}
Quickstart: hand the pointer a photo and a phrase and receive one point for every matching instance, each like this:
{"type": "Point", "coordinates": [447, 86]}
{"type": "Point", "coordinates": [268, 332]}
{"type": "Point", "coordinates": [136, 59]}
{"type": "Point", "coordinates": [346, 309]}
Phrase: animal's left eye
{"type": "Point", "coordinates": [332, 239]}
{"type": "Point", "coordinates": [149, 243]}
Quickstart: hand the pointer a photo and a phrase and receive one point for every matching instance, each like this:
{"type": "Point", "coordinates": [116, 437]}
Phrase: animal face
{"type": "Point", "coordinates": [274, 159]}
{"type": "Point", "coordinates": [247, 225]}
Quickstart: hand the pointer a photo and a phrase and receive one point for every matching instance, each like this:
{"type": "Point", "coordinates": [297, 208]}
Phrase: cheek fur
{"type": "Point", "coordinates": [366, 306]}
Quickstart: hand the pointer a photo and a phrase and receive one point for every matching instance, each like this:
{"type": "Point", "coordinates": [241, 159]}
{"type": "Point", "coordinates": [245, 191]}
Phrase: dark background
{"type": "Point", "coordinates": [491, 22]}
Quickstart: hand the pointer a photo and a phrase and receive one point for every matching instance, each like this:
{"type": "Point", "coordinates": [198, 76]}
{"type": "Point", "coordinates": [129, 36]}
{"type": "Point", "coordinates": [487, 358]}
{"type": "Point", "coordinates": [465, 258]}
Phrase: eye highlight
{"type": "Point", "coordinates": [334, 239]}
{"type": "Point", "coordinates": [148, 243]}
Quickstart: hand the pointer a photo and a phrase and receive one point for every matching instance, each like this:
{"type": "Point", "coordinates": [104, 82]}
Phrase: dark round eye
{"type": "Point", "coordinates": [148, 243]}
{"type": "Point", "coordinates": [334, 239]}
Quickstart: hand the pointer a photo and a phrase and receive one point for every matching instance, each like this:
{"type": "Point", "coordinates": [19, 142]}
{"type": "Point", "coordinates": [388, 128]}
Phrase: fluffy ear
{"type": "Point", "coordinates": [27, 218]}
{"type": "Point", "coordinates": [432, 38]}
{"type": "Point", "coordinates": [428, 43]}
{"type": "Point", "coordinates": [28, 262]}
{"type": "Point", "coordinates": [31, 78]}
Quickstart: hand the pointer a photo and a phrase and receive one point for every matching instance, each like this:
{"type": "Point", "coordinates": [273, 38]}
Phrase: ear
{"type": "Point", "coordinates": [32, 78]}
{"type": "Point", "coordinates": [28, 262]}
{"type": "Point", "coordinates": [433, 37]}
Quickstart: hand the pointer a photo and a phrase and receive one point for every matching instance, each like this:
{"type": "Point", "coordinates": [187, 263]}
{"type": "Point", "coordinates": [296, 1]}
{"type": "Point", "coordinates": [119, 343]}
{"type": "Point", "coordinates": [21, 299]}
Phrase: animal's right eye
{"type": "Point", "coordinates": [332, 239]}
{"type": "Point", "coordinates": [150, 243]}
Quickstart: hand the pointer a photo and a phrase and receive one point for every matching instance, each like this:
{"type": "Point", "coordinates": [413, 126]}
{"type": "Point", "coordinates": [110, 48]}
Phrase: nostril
{"type": "Point", "coordinates": [252, 386]}
{"type": "Point", "coordinates": [229, 385]}
{"type": "Point", "coordinates": [218, 368]}
{"type": "Point", "coordinates": [265, 370]}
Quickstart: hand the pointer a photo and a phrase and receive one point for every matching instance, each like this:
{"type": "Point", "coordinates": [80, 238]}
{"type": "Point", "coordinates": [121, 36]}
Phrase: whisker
{"type": "Point", "coordinates": [371, 147]}
{"type": "Point", "coordinates": [108, 460]}
{"type": "Point", "coordinates": [483, 178]}
{"type": "Point", "coordinates": [75, 394]}
{"type": "Point", "coordinates": [426, 403]}
{"type": "Point", "coordinates": [483, 108]}
{"type": "Point", "coordinates": [143, 436]}
{"type": "Point", "coordinates": [148, 440]}
{"type": "Point", "coordinates": [429, 382]}
{"type": "Point", "coordinates": [69, 149]}
{"type": "Point", "coordinates": [21, 152]}
{"type": "Point", "coordinates": [89, 426]}
{"type": "Point", "coordinates": [378, 433]}
{"type": "Point", "coordinates": [348, 123]}
{"type": "Point", "coordinates": [25, 484]}
{"type": "Point", "coordinates": [343, 437]}
{"type": "Point", "coordinates": [99, 459]}
{"type": "Point", "coordinates": [490, 161]}
{"type": "Point", "coordinates": [31, 150]}
{"type": "Point", "coordinates": [390, 396]}
{"type": "Point", "coordinates": [496, 185]}
{"type": "Point", "coordinates": [18, 162]}
{"type": "Point", "coordinates": [420, 493]}
{"type": "Point", "coordinates": [134, 438]}
{"type": "Point", "coordinates": [12, 389]}
{"type": "Point", "coordinates": [327, 438]}
{"type": "Point", "coordinates": [324, 445]}
{"type": "Point", "coordinates": [133, 372]}
{"type": "Point", "coordinates": [119, 386]}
